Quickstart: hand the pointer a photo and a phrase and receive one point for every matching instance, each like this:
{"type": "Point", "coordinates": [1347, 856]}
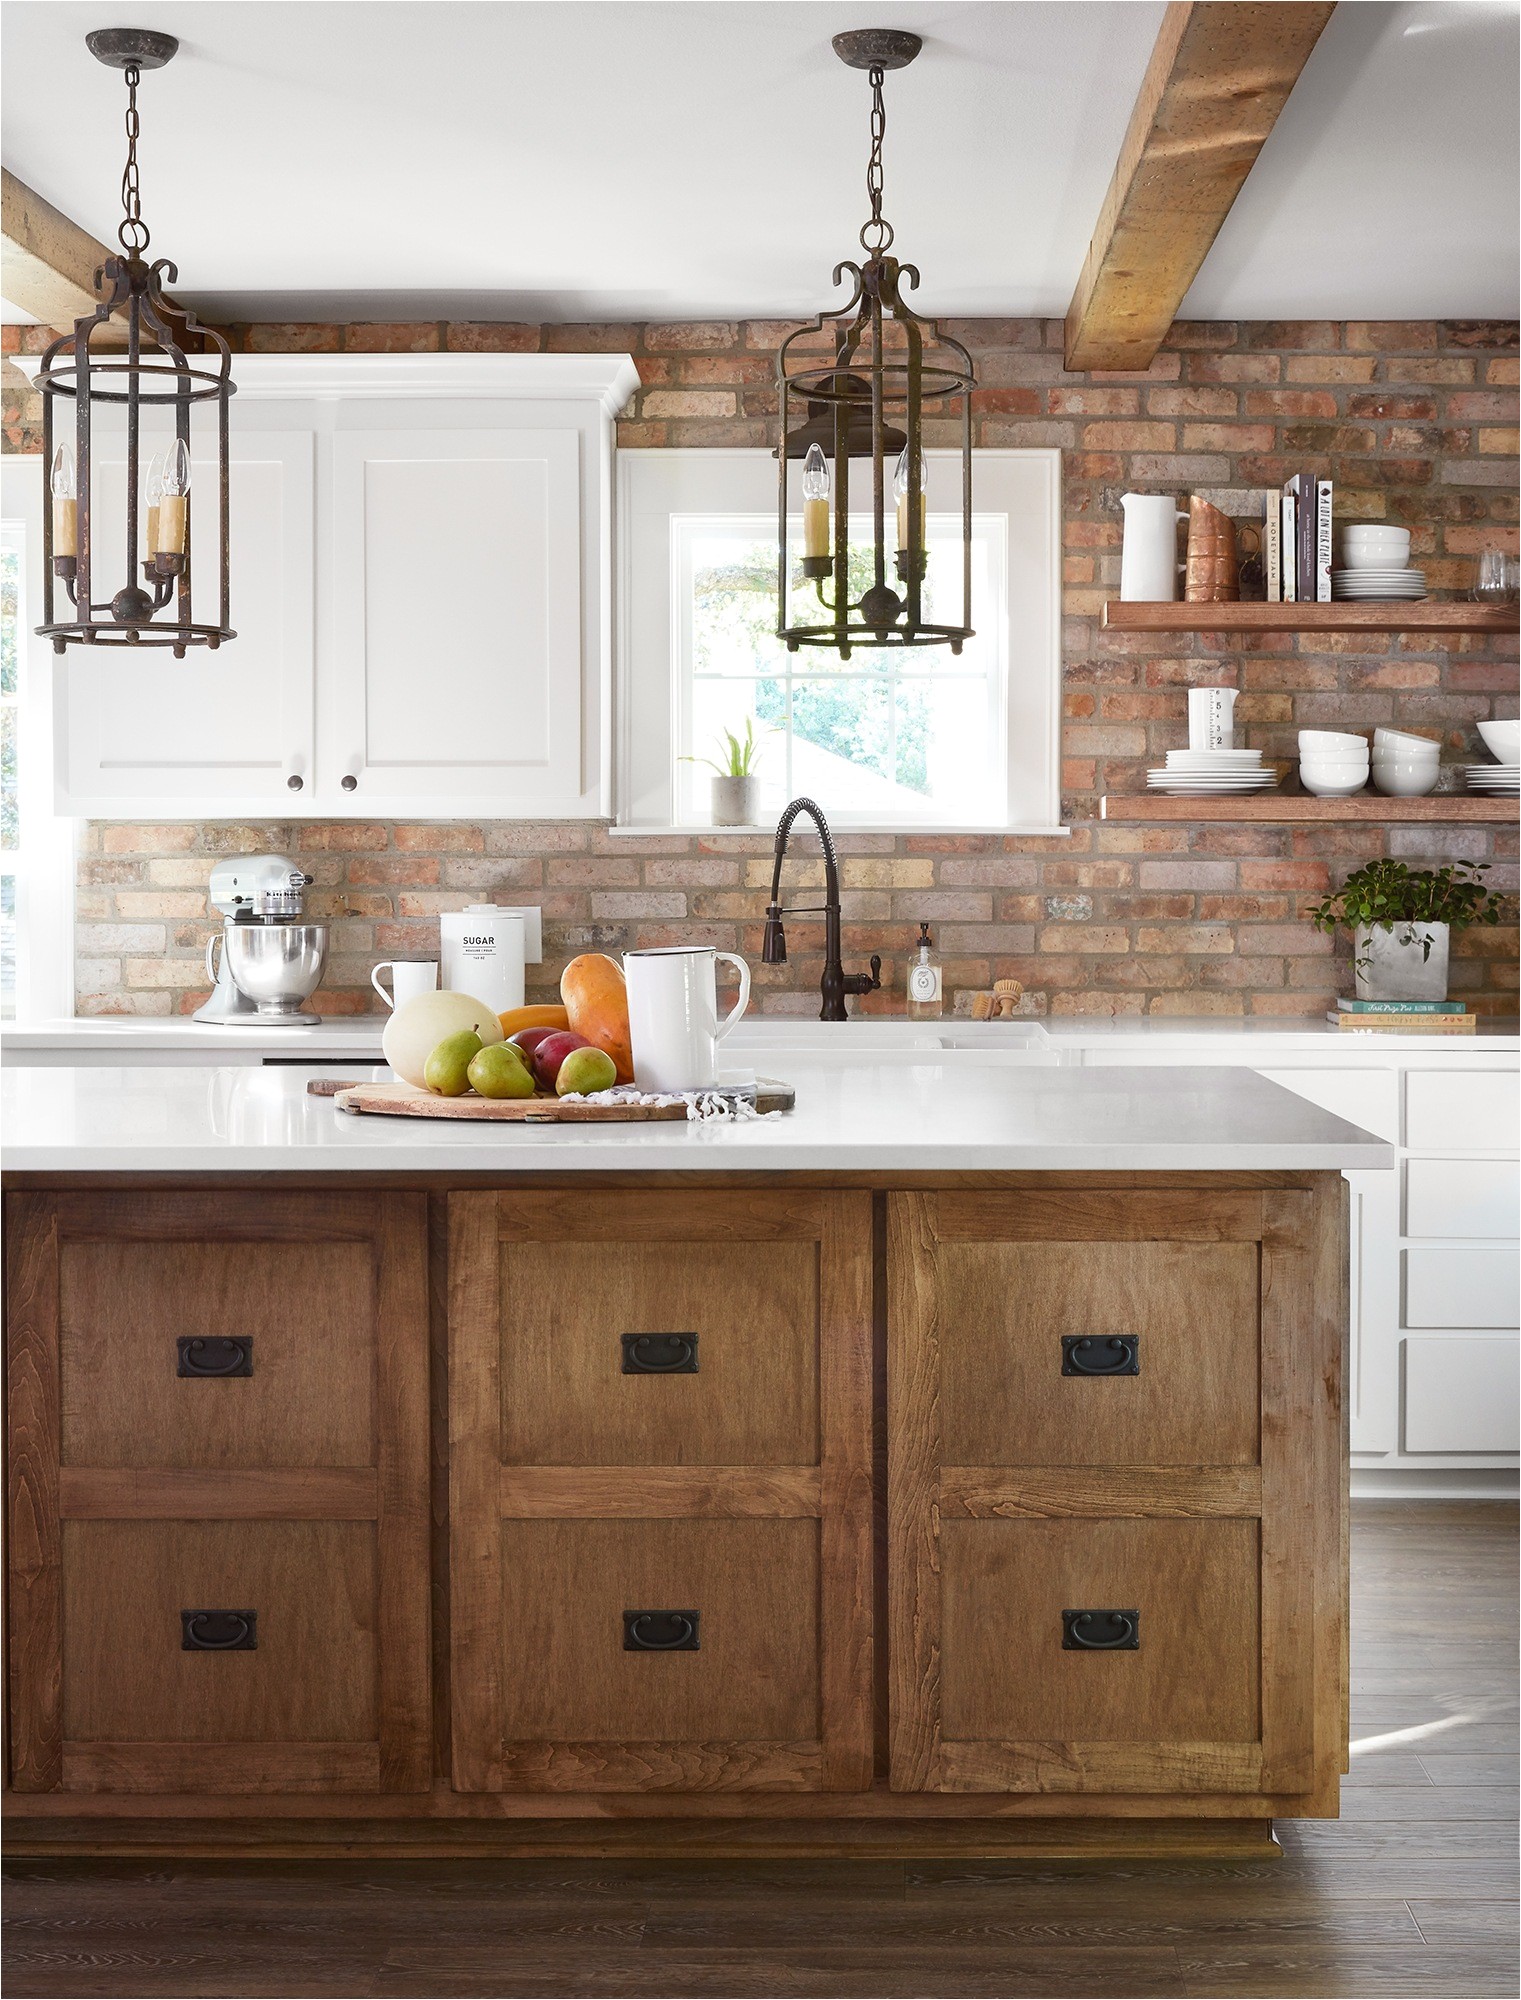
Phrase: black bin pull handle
{"type": "Point", "coordinates": [1094, 1354]}
{"type": "Point", "coordinates": [219, 1631]}
{"type": "Point", "coordinates": [659, 1353]}
{"type": "Point", "coordinates": [1101, 1631]}
{"type": "Point", "coordinates": [211, 1355]}
{"type": "Point", "coordinates": [661, 1631]}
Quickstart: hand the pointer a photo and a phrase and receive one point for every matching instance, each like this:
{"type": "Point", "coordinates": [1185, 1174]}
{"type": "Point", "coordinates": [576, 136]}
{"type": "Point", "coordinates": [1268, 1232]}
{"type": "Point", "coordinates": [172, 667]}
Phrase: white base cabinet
{"type": "Point", "coordinates": [421, 555]}
{"type": "Point", "coordinates": [1435, 1263]}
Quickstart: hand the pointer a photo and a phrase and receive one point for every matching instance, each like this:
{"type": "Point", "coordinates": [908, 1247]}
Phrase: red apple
{"type": "Point", "coordinates": [552, 1051]}
{"type": "Point", "coordinates": [528, 1040]}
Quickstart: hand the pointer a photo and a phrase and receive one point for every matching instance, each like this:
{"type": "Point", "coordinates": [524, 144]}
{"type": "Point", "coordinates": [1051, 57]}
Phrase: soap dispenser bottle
{"type": "Point", "coordinates": [926, 1001]}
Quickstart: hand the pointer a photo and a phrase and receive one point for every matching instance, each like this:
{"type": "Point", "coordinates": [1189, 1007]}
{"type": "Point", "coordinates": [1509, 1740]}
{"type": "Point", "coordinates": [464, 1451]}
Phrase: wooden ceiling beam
{"type": "Point", "coordinates": [50, 262]}
{"type": "Point", "coordinates": [1218, 77]}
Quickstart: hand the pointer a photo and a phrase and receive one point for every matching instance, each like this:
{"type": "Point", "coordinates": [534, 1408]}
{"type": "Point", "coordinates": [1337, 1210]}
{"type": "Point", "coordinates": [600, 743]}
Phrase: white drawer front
{"type": "Point", "coordinates": [1475, 1110]}
{"type": "Point", "coordinates": [1462, 1392]}
{"type": "Point", "coordinates": [1462, 1288]}
{"type": "Point", "coordinates": [1365, 1097]}
{"type": "Point", "coordinates": [1477, 1198]}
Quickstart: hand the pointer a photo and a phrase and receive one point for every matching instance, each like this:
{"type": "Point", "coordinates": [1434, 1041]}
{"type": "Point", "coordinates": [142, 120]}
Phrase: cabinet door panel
{"type": "Point", "coordinates": [314, 1520]}
{"type": "Point", "coordinates": [479, 695]}
{"type": "Point", "coordinates": [1202, 1522]}
{"type": "Point", "coordinates": [215, 732]}
{"type": "Point", "coordinates": [1462, 1288]}
{"type": "Point", "coordinates": [739, 1495]}
{"type": "Point", "coordinates": [309, 1677]}
{"type": "Point", "coordinates": [1469, 1110]}
{"type": "Point", "coordinates": [1006, 1400]}
{"type": "Point", "coordinates": [308, 1398]}
{"type": "Point", "coordinates": [1461, 1391]}
{"type": "Point", "coordinates": [1193, 1677]}
{"type": "Point", "coordinates": [581, 1387]}
{"type": "Point", "coordinates": [753, 1586]}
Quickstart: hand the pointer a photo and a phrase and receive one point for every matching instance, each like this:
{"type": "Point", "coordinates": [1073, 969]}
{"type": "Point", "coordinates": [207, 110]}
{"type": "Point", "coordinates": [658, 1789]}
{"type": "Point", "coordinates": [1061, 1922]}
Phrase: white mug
{"type": "Point", "coordinates": [409, 977]}
{"type": "Point", "coordinates": [673, 1014]}
{"type": "Point", "coordinates": [1212, 718]}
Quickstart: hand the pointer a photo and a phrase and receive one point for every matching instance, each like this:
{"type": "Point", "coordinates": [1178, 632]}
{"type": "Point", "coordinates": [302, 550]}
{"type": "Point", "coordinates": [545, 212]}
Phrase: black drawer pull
{"type": "Point", "coordinates": [661, 1631]}
{"type": "Point", "coordinates": [219, 1631]}
{"type": "Point", "coordinates": [659, 1353]}
{"type": "Point", "coordinates": [1085, 1354]}
{"type": "Point", "coordinates": [214, 1356]}
{"type": "Point", "coordinates": [1101, 1631]}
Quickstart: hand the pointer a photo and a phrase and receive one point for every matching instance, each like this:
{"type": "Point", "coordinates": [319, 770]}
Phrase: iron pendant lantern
{"type": "Point", "coordinates": [891, 370]}
{"type": "Point", "coordinates": [168, 364]}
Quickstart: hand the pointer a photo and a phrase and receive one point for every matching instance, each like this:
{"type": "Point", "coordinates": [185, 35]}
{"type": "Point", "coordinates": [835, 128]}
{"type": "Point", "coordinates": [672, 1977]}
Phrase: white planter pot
{"type": "Point", "coordinates": [1391, 963]}
{"type": "Point", "coordinates": [736, 801]}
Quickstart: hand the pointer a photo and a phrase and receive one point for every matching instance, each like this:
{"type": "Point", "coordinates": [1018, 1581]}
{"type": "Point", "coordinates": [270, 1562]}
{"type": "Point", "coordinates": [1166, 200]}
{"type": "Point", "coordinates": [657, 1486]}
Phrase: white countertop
{"type": "Point", "coordinates": [356, 1038]}
{"type": "Point", "coordinates": [925, 1115]}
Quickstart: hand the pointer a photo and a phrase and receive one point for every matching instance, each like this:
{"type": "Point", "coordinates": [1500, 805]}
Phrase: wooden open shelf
{"type": "Point", "coordinates": [1430, 616]}
{"type": "Point", "coordinates": [1441, 809]}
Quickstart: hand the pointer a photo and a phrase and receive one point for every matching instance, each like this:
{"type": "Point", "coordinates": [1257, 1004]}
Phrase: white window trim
{"type": "Point", "coordinates": [45, 883]}
{"type": "Point", "coordinates": [654, 485]}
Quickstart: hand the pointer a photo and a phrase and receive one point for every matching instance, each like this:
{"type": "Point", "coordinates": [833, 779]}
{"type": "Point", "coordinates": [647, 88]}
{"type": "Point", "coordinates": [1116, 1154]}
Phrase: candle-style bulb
{"type": "Point", "coordinates": [176, 468]}
{"type": "Point", "coordinates": [900, 494]}
{"type": "Point", "coordinates": [153, 494]}
{"type": "Point", "coordinates": [900, 476]}
{"type": "Point", "coordinates": [816, 506]}
{"type": "Point", "coordinates": [61, 478]}
{"type": "Point", "coordinates": [172, 506]}
{"type": "Point", "coordinates": [65, 504]}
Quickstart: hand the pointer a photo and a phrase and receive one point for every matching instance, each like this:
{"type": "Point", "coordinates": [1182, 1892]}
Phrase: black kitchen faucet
{"type": "Point", "coordinates": [836, 982]}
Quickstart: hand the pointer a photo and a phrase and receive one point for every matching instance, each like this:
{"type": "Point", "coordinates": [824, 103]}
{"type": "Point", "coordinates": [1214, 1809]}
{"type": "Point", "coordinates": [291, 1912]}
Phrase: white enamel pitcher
{"type": "Point", "coordinates": [1149, 566]}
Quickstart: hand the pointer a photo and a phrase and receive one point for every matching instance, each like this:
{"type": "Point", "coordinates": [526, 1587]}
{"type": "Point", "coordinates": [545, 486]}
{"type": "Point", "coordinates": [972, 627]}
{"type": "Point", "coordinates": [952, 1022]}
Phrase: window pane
{"type": "Point", "coordinates": [7, 947]}
{"type": "Point", "coordinates": [10, 808]}
{"type": "Point", "coordinates": [10, 592]}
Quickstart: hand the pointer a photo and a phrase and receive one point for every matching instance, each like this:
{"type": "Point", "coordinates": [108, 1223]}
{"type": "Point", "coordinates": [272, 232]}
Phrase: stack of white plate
{"type": "Point", "coordinates": [1386, 584]}
{"type": "Point", "coordinates": [1196, 774]}
{"type": "Point", "coordinates": [1501, 781]}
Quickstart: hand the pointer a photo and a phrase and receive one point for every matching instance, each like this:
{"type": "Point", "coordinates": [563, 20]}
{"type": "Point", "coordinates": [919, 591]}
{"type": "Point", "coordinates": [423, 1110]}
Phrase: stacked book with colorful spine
{"type": "Point", "coordinates": [1296, 541]}
{"type": "Point", "coordinates": [1404, 1017]}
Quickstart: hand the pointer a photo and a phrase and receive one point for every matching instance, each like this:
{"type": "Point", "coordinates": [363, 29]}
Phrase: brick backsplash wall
{"type": "Point", "coordinates": [1415, 421]}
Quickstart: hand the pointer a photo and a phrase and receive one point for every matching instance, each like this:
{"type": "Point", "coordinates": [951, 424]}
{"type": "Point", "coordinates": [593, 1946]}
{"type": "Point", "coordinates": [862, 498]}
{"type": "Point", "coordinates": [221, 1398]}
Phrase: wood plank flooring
{"type": "Point", "coordinates": [1412, 1891]}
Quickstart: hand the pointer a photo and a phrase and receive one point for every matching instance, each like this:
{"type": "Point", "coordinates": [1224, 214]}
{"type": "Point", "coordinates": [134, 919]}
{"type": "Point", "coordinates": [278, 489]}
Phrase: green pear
{"type": "Point", "coordinates": [585, 1070]}
{"type": "Point", "coordinates": [500, 1072]}
{"type": "Point", "coordinates": [447, 1070]}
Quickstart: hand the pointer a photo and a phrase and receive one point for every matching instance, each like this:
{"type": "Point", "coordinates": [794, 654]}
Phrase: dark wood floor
{"type": "Point", "coordinates": [1411, 1892]}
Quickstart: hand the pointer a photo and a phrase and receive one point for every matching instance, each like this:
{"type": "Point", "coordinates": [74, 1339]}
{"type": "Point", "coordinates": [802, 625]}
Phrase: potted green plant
{"type": "Point", "coordinates": [1402, 919]}
{"type": "Point", "coordinates": [736, 784]}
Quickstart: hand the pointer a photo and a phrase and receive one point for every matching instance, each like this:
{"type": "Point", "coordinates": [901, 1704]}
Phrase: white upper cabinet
{"type": "Point", "coordinates": [421, 551]}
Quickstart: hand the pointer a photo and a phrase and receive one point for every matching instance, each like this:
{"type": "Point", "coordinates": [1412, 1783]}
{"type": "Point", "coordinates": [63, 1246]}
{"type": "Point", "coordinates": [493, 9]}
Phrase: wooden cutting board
{"type": "Point", "coordinates": [404, 1100]}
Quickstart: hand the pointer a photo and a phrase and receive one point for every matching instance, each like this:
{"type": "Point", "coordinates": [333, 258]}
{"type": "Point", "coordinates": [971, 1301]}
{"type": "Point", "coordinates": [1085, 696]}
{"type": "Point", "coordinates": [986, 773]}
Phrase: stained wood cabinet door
{"type": "Point", "coordinates": [218, 1429]}
{"type": "Point", "coordinates": [1115, 1510]}
{"type": "Point", "coordinates": [660, 1481]}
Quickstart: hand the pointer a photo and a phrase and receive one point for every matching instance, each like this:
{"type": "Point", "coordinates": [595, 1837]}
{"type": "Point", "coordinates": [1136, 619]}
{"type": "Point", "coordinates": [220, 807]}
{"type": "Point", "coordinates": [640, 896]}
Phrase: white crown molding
{"type": "Point", "coordinates": [610, 378]}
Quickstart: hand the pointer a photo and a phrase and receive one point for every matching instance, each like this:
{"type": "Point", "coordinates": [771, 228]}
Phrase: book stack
{"type": "Point", "coordinates": [1404, 1017]}
{"type": "Point", "coordinates": [1296, 541]}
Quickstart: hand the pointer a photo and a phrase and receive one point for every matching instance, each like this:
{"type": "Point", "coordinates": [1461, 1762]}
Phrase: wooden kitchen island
{"type": "Point", "coordinates": [955, 1465]}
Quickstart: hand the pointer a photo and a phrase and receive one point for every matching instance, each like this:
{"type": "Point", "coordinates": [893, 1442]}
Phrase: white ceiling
{"type": "Point", "coordinates": [569, 160]}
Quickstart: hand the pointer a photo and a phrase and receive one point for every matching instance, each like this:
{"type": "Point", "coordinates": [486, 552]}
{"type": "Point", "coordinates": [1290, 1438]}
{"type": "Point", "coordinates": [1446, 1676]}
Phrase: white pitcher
{"type": "Point", "coordinates": [1149, 563]}
{"type": "Point", "coordinates": [673, 1014]}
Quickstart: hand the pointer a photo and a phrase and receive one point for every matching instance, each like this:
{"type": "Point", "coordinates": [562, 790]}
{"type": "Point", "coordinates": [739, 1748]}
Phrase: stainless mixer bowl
{"type": "Point", "coordinates": [277, 965]}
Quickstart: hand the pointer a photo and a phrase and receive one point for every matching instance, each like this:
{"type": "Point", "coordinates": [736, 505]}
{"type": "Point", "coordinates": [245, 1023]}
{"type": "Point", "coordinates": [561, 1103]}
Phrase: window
{"type": "Point", "coordinates": [891, 738]}
{"type": "Point", "coordinates": [36, 847]}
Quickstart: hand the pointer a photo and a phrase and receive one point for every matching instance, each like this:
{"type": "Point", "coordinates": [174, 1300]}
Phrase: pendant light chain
{"type": "Point", "coordinates": [882, 232]}
{"type": "Point", "coordinates": [132, 233]}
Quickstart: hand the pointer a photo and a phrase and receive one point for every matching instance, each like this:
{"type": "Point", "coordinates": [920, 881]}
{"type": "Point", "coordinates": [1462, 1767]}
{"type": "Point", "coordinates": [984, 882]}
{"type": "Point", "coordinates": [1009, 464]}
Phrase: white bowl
{"type": "Point", "coordinates": [1359, 532]}
{"type": "Point", "coordinates": [1331, 785]}
{"type": "Point", "coordinates": [1396, 743]}
{"type": "Point", "coordinates": [1331, 743]}
{"type": "Point", "coordinates": [1335, 767]}
{"type": "Point", "coordinates": [1376, 555]}
{"type": "Point", "coordinates": [1503, 739]}
{"type": "Point", "coordinates": [1411, 778]}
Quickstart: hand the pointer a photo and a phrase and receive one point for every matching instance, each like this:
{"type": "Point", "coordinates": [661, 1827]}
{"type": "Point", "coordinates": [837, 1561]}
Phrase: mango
{"type": "Point", "coordinates": [585, 1070]}
{"type": "Point", "coordinates": [447, 1070]}
{"type": "Point", "coordinates": [500, 1072]}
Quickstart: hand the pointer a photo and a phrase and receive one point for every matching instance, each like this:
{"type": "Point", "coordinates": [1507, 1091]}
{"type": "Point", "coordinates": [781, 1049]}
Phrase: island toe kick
{"type": "Point", "coordinates": [996, 1514]}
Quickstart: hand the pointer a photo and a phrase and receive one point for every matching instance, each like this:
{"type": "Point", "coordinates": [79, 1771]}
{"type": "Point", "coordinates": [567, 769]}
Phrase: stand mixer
{"type": "Point", "coordinates": [267, 961]}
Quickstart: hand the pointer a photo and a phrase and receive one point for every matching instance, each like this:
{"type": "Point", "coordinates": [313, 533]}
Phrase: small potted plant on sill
{"type": "Point", "coordinates": [1401, 922]}
{"type": "Point", "coordinates": [736, 784]}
